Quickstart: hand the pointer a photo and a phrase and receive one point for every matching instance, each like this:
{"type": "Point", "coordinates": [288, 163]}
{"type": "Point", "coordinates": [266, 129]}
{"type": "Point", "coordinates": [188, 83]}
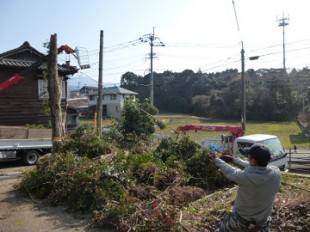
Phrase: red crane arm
{"type": "Point", "coordinates": [66, 49]}
{"type": "Point", "coordinates": [6, 84]}
{"type": "Point", "coordinates": [18, 76]}
{"type": "Point", "coordinates": [235, 130]}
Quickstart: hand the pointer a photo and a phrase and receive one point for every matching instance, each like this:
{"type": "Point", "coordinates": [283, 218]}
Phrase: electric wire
{"type": "Point", "coordinates": [278, 45]}
{"type": "Point", "coordinates": [233, 3]}
{"type": "Point", "coordinates": [199, 46]}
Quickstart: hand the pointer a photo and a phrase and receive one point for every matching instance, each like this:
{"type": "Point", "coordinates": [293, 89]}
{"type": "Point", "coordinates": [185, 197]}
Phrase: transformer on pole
{"type": "Point", "coordinates": [150, 38]}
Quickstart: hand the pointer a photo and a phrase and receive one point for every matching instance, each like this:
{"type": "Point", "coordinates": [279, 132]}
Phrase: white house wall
{"type": "Point", "coordinates": [113, 109]}
{"type": "Point", "coordinates": [113, 106]}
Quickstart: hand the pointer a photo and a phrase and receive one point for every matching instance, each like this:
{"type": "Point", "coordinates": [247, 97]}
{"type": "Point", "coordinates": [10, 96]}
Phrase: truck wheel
{"type": "Point", "coordinates": [283, 168]}
{"type": "Point", "coordinates": [30, 157]}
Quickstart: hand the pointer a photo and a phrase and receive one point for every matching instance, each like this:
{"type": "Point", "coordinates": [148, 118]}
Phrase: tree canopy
{"type": "Point", "coordinates": [136, 118]}
{"type": "Point", "coordinates": [271, 94]}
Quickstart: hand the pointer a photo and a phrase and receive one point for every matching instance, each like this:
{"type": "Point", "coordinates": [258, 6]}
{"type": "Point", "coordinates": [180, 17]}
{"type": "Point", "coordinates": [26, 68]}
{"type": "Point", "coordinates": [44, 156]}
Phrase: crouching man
{"type": "Point", "coordinates": [257, 187]}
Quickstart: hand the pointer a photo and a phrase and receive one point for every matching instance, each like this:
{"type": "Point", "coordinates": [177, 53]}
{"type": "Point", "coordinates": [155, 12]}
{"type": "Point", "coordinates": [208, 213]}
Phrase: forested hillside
{"type": "Point", "coordinates": [271, 95]}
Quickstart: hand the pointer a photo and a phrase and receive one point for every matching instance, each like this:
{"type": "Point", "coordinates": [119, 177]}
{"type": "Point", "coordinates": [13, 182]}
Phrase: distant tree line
{"type": "Point", "coordinates": [271, 94]}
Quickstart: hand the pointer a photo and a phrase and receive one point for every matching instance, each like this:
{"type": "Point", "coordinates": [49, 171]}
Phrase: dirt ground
{"type": "Point", "coordinates": [18, 213]}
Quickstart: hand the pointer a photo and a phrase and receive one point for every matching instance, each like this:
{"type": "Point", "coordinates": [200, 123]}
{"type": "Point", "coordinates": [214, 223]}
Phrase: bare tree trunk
{"type": "Point", "coordinates": [54, 91]}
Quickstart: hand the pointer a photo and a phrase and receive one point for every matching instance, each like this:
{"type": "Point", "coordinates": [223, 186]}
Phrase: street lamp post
{"type": "Point", "coordinates": [243, 94]}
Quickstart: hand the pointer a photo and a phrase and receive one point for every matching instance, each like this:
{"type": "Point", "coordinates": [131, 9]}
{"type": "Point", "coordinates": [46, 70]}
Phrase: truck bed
{"type": "Point", "coordinates": [14, 132]}
{"type": "Point", "coordinates": [10, 144]}
{"type": "Point", "coordinates": [15, 138]}
{"type": "Point", "coordinates": [26, 144]}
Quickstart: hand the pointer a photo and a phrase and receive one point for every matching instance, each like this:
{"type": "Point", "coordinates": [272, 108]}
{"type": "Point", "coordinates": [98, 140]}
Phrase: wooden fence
{"type": "Point", "coordinates": [298, 161]}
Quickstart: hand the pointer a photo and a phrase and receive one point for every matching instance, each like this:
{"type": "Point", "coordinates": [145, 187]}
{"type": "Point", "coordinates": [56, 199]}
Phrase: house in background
{"type": "Point", "coordinates": [113, 100]}
{"type": "Point", "coordinates": [26, 101]}
{"type": "Point", "coordinates": [86, 90]}
{"type": "Point", "coordinates": [79, 104]}
{"type": "Point", "coordinates": [81, 92]}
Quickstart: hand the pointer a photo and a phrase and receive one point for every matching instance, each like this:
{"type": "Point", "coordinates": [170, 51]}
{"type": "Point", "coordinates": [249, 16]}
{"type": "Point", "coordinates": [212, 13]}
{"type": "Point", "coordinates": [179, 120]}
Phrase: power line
{"type": "Point", "coordinates": [198, 45]}
{"type": "Point", "coordinates": [235, 61]}
{"type": "Point", "coordinates": [273, 53]}
{"type": "Point", "coordinates": [277, 45]}
{"type": "Point", "coordinates": [226, 63]}
{"type": "Point", "coordinates": [233, 2]}
{"type": "Point", "coordinates": [192, 45]}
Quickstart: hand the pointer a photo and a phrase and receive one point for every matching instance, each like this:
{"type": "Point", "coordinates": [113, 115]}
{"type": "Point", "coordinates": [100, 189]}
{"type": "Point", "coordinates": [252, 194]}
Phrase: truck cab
{"type": "Point", "coordinates": [279, 156]}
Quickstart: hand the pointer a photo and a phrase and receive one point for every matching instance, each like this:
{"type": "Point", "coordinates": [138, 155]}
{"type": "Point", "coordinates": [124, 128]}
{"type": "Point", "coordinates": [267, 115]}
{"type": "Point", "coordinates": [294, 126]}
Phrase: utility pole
{"type": "Point", "coordinates": [243, 100]}
{"type": "Point", "coordinates": [282, 23]}
{"type": "Point", "coordinates": [152, 74]}
{"type": "Point", "coordinates": [100, 88]}
{"type": "Point", "coordinates": [151, 38]}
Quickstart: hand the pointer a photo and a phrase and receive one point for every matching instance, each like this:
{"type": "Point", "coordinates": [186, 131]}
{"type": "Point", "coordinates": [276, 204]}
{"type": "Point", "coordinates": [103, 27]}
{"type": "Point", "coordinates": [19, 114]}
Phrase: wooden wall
{"type": "Point", "coordinates": [20, 104]}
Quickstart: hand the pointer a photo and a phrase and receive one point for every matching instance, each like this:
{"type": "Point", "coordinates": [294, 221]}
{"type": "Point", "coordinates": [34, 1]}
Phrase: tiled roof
{"type": "Point", "coordinates": [88, 87]}
{"type": "Point", "coordinates": [23, 47]}
{"type": "Point", "coordinates": [24, 64]}
{"type": "Point", "coordinates": [14, 63]}
{"type": "Point", "coordinates": [115, 90]}
{"type": "Point", "coordinates": [7, 60]}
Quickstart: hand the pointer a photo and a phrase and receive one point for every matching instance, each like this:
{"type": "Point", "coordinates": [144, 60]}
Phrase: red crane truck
{"type": "Point", "coordinates": [236, 139]}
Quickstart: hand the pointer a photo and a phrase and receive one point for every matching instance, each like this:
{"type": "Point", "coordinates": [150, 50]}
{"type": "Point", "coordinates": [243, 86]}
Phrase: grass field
{"type": "Point", "coordinates": [288, 132]}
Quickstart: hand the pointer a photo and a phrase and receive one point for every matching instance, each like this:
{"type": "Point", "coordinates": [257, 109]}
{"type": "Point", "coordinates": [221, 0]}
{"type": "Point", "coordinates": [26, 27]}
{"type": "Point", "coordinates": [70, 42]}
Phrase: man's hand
{"type": "Point", "coordinates": [214, 155]}
{"type": "Point", "coordinates": [227, 158]}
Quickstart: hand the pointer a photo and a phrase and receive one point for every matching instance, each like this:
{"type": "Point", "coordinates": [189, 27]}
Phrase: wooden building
{"type": "Point", "coordinates": [26, 102]}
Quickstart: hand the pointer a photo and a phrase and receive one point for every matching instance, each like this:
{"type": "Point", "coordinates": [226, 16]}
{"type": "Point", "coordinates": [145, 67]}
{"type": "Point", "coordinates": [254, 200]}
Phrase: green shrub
{"type": "Point", "coordinates": [33, 183]}
{"type": "Point", "coordinates": [197, 164]}
{"type": "Point", "coordinates": [142, 167]}
{"type": "Point", "coordinates": [93, 189]}
{"type": "Point", "coordinates": [204, 173]}
{"type": "Point", "coordinates": [41, 181]}
{"type": "Point", "coordinates": [182, 150]}
{"type": "Point", "coordinates": [82, 184]}
{"type": "Point", "coordinates": [85, 142]}
{"type": "Point", "coordinates": [135, 118]}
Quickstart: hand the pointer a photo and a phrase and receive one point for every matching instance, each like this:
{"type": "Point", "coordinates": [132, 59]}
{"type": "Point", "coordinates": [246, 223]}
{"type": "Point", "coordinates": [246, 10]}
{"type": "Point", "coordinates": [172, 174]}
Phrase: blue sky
{"type": "Point", "coordinates": [198, 34]}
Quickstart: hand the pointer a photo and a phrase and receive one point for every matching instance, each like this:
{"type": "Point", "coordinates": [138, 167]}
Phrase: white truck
{"type": "Point", "coordinates": [17, 143]}
{"type": "Point", "coordinates": [279, 156]}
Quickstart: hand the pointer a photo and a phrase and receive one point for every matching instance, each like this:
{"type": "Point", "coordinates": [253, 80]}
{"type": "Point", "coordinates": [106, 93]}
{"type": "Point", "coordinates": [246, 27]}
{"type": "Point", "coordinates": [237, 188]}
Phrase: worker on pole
{"type": "Point", "coordinates": [258, 185]}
